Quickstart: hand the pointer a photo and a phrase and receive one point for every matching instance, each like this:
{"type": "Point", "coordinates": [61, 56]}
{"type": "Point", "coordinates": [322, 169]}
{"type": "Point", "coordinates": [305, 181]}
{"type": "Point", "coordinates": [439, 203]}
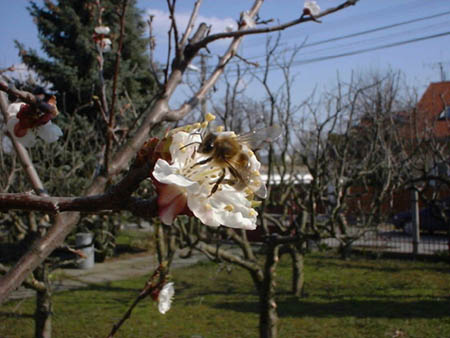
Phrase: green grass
{"type": "Point", "coordinates": [358, 298]}
{"type": "Point", "coordinates": [134, 241]}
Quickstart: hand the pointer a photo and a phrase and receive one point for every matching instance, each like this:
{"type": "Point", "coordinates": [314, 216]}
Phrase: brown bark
{"type": "Point", "coordinates": [43, 313]}
{"type": "Point", "coordinates": [298, 277]}
{"type": "Point", "coordinates": [268, 317]}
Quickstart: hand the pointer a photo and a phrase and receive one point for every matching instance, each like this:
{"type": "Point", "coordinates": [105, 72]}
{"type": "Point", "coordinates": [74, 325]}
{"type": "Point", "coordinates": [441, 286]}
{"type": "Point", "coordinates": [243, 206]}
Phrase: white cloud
{"type": "Point", "coordinates": [161, 22]}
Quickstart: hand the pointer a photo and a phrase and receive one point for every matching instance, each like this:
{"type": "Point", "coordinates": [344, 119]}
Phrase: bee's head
{"type": "Point", "coordinates": [207, 144]}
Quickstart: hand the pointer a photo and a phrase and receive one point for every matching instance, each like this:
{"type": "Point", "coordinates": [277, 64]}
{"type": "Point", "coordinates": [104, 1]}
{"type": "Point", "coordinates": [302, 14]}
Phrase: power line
{"type": "Point", "coordinates": [361, 33]}
{"type": "Point", "coordinates": [360, 51]}
{"type": "Point", "coordinates": [365, 50]}
{"type": "Point", "coordinates": [399, 7]}
{"type": "Point", "coordinates": [368, 31]}
{"type": "Point", "coordinates": [376, 29]}
{"type": "Point", "coordinates": [381, 28]}
{"type": "Point", "coordinates": [409, 32]}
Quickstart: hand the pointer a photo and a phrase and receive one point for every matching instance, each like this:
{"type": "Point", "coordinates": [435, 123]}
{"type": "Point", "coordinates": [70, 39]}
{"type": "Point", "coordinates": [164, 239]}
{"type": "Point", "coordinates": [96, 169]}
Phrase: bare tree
{"type": "Point", "coordinates": [112, 188]}
{"type": "Point", "coordinates": [352, 156]}
{"type": "Point", "coordinates": [282, 226]}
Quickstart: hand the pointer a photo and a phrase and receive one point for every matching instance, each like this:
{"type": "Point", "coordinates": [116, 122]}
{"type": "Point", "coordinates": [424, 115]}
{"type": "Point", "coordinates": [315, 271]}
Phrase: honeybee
{"type": "Point", "coordinates": [226, 151]}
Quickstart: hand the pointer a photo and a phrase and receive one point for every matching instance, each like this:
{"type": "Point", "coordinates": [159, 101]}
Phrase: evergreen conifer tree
{"type": "Point", "coordinates": [70, 65]}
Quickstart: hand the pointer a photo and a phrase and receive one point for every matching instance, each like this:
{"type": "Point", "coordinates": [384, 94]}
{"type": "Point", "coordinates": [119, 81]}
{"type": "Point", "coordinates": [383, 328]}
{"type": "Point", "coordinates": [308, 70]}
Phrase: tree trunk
{"type": "Point", "coordinates": [345, 250]}
{"type": "Point", "coordinates": [43, 314]}
{"type": "Point", "coordinates": [268, 317]}
{"type": "Point", "coordinates": [298, 277]}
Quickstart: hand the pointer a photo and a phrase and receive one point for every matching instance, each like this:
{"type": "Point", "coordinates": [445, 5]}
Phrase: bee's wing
{"type": "Point", "coordinates": [256, 138]}
{"type": "Point", "coordinates": [262, 191]}
{"type": "Point", "coordinates": [245, 177]}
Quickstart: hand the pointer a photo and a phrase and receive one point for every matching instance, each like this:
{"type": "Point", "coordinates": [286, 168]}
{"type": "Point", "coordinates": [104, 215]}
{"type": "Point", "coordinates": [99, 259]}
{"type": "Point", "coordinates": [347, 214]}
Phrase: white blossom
{"type": "Point", "coordinates": [313, 7]}
{"type": "Point", "coordinates": [105, 45]}
{"type": "Point", "coordinates": [14, 108]}
{"type": "Point", "coordinates": [186, 182]}
{"type": "Point", "coordinates": [165, 297]}
{"type": "Point", "coordinates": [229, 28]}
{"type": "Point", "coordinates": [193, 67]}
{"type": "Point", "coordinates": [28, 140]}
{"type": "Point", "coordinates": [7, 145]}
{"type": "Point", "coordinates": [102, 30]}
{"type": "Point", "coordinates": [248, 20]}
{"type": "Point", "coordinates": [49, 132]}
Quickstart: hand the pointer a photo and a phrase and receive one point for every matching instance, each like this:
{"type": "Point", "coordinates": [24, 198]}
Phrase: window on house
{"type": "Point", "coordinates": [445, 115]}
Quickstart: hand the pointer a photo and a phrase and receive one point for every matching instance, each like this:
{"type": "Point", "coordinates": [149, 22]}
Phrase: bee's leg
{"type": "Point", "coordinates": [238, 181]}
{"type": "Point", "coordinates": [234, 172]}
{"type": "Point", "coordinates": [209, 159]}
{"type": "Point", "coordinates": [216, 185]}
{"type": "Point", "coordinates": [189, 144]}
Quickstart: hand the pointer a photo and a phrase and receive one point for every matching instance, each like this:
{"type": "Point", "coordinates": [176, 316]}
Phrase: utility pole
{"type": "Point", "coordinates": [415, 221]}
{"type": "Point", "coordinates": [441, 66]}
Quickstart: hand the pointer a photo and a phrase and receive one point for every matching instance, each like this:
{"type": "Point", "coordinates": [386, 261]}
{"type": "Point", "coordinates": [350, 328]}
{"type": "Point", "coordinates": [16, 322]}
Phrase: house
{"type": "Point", "coordinates": [431, 116]}
{"type": "Point", "coordinates": [430, 119]}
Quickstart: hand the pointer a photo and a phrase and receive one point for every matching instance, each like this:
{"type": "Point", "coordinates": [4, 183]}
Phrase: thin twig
{"type": "Point", "coordinates": [22, 153]}
{"type": "Point", "coordinates": [154, 283]}
{"type": "Point", "coordinates": [190, 25]}
{"type": "Point", "coordinates": [66, 222]}
{"type": "Point", "coordinates": [29, 98]}
{"type": "Point", "coordinates": [112, 120]}
{"type": "Point", "coordinates": [173, 22]}
{"type": "Point", "coordinates": [152, 47]}
{"type": "Point", "coordinates": [243, 32]}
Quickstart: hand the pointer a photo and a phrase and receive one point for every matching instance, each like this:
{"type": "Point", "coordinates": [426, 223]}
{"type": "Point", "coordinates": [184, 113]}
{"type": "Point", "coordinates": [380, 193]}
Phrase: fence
{"type": "Point", "coordinates": [388, 239]}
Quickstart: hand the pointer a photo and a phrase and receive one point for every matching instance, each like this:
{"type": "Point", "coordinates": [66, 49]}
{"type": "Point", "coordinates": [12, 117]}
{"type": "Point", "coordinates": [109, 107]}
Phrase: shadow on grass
{"type": "Point", "coordinates": [353, 263]}
{"type": "Point", "coordinates": [94, 288]}
{"type": "Point", "coordinates": [110, 288]}
{"type": "Point", "coordinates": [402, 257]}
{"type": "Point", "coordinates": [15, 315]}
{"type": "Point", "coordinates": [345, 308]}
{"type": "Point", "coordinates": [127, 249]}
{"type": "Point", "coordinates": [183, 291]}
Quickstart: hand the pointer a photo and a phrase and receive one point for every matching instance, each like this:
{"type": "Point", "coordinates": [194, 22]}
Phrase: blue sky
{"type": "Point", "coordinates": [419, 61]}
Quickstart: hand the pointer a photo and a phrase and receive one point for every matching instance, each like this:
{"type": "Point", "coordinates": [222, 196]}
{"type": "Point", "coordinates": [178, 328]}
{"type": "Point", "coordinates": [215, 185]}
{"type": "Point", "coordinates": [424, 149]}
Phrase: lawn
{"type": "Point", "coordinates": [357, 298]}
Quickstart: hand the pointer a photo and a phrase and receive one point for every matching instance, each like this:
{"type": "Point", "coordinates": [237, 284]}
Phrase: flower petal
{"type": "Point", "coordinates": [168, 213]}
{"type": "Point", "coordinates": [233, 209]}
{"type": "Point", "coordinates": [311, 8]}
{"type": "Point", "coordinates": [166, 173]}
{"type": "Point", "coordinates": [28, 140]}
{"type": "Point", "coordinates": [180, 148]}
{"type": "Point", "coordinates": [165, 298]}
{"type": "Point", "coordinates": [14, 108]}
{"type": "Point", "coordinates": [102, 30]}
{"type": "Point", "coordinates": [7, 145]}
{"type": "Point", "coordinates": [203, 210]}
{"type": "Point", "coordinates": [248, 20]}
{"type": "Point", "coordinates": [171, 202]}
{"type": "Point", "coordinates": [49, 132]}
{"type": "Point", "coordinates": [227, 207]}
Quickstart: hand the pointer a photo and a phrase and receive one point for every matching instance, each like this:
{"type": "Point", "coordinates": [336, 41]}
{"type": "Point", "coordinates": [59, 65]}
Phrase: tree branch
{"type": "Point", "coordinates": [28, 98]}
{"type": "Point", "coordinates": [242, 32]}
{"type": "Point", "coordinates": [112, 120]}
{"type": "Point", "coordinates": [159, 112]}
